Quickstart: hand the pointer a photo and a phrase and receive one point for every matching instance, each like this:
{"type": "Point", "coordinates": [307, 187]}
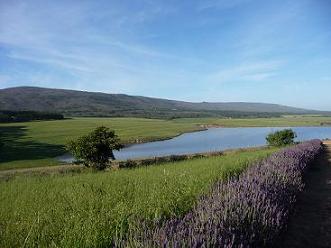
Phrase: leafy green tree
{"type": "Point", "coordinates": [281, 138]}
{"type": "Point", "coordinates": [96, 148]}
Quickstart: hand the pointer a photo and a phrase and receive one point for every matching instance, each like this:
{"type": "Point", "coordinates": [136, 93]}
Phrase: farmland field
{"type": "Point", "coordinates": [165, 124]}
{"type": "Point", "coordinates": [88, 209]}
{"type": "Point", "coordinates": [35, 144]}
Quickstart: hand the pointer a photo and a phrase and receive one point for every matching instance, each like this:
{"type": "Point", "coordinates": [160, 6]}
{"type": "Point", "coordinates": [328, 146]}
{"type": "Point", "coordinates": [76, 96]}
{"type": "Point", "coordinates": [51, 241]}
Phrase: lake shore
{"type": "Point", "coordinates": [35, 144]}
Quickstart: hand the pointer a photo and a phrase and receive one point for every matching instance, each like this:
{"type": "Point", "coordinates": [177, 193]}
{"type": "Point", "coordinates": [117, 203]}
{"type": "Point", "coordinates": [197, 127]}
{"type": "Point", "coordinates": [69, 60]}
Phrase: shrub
{"type": "Point", "coordinates": [128, 164]}
{"type": "Point", "coordinates": [281, 138]}
{"type": "Point", "coordinates": [96, 148]}
{"type": "Point", "coordinates": [174, 158]}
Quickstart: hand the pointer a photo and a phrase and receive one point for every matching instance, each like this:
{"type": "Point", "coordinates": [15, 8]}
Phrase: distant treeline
{"type": "Point", "coordinates": [173, 114]}
{"type": "Point", "coordinates": [20, 116]}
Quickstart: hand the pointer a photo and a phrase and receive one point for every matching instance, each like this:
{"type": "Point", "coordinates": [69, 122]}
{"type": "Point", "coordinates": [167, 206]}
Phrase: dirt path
{"type": "Point", "coordinates": [311, 224]}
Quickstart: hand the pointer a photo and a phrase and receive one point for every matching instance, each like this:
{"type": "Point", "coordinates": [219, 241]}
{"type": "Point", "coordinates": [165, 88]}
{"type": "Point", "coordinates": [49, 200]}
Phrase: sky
{"type": "Point", "coordinates": [193, 50]}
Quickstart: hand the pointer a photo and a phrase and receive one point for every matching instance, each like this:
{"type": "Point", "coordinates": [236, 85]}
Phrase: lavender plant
{"type": "Point", "coordinates": [246, 211]}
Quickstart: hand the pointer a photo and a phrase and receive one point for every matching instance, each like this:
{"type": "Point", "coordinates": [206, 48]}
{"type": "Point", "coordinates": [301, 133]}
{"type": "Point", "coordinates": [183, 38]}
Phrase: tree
{"type": "Point", "coordinates": [281, 138]}
{"type": "Point", "coordinates": [96, 148]}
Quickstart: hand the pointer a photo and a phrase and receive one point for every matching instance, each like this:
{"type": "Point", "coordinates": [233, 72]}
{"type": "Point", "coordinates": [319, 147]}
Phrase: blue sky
{"type": "Point", "coordinates": [206, 50]}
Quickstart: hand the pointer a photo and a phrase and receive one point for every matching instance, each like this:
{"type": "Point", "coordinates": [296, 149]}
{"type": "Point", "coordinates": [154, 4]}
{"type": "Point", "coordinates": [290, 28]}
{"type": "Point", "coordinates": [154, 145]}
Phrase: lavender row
{"type": "Point", "coordinates": [248, 211]}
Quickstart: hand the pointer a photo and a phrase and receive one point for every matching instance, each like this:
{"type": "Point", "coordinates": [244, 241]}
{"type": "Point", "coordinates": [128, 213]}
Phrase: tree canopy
{"type": "Point", "coordinates": [281, 138]}
{"type": "Point", "coordinates": [96, 148]}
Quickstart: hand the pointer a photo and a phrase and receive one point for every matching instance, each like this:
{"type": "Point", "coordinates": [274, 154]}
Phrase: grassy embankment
{"type": "Point", "coordinates": [35, 144]}
{"type": "Point", "coordinates": [84, 210]}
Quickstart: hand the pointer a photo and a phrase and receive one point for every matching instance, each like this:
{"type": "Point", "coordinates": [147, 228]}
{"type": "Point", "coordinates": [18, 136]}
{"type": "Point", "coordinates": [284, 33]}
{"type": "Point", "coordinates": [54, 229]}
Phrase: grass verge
{"type": "Point", "coordinates": [88, 209]}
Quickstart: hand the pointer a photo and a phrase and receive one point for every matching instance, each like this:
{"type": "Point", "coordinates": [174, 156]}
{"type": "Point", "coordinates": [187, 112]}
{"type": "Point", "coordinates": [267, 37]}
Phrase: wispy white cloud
{"type": "Point", "coordinates": [139, 49]}
{"type": "Point", "coordinates": [50, 60]}
{"type": "Point", "coordinates": [246, 72]}
{"type": "Point", "coordinates": [62, 36]}
{"type": "Point", "coordinates": [220, 4]}
{"type": "Point", "coordinates": [265, 33]}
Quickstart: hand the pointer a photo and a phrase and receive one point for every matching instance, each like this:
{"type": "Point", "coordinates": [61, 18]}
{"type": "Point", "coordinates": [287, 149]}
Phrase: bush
{"type": "Point", "coordinates": [128, 164]}
{"type": "Point", "coordinates": [281, 138]}
{"type": "Point", "coordinates": [96, 148]}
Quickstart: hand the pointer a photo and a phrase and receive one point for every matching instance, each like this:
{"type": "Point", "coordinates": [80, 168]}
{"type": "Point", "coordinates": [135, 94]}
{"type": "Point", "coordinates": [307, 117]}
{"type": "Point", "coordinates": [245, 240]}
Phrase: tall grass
{"type": "Point", "coordinates": [89, 210]}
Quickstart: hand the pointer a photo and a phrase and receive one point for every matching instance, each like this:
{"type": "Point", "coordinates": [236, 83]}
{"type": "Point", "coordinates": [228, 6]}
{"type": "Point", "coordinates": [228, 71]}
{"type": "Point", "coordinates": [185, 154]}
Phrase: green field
{"type": "Point", "coordinates": [86, 210]}
{"type": "Point", "coordinates": [285, 121]}
{"type": "Point", "coordinates": [35, 144]}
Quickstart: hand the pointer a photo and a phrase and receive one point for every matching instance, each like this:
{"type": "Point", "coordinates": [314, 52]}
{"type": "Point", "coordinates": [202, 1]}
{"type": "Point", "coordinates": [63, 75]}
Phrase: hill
{"type": "Point", "coordinates": [82, 103]}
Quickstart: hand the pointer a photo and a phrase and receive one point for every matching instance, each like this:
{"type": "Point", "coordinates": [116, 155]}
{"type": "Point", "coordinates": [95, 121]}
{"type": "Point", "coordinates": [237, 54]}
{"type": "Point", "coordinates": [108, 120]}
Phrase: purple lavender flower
{"type": "Point", "coordinates": [245, 211]}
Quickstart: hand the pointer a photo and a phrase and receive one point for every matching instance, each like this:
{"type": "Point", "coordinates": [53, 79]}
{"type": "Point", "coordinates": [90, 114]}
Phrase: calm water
{"type": "Point", "coordinates": [213, 139]}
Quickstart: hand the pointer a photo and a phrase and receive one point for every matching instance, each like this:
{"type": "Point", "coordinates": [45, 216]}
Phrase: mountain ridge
{"type": "Point", "coordinates": [84, 103]}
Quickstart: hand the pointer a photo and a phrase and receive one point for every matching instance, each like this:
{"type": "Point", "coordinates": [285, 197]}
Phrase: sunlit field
{"type": "Point", "coordinates": [35, 144]}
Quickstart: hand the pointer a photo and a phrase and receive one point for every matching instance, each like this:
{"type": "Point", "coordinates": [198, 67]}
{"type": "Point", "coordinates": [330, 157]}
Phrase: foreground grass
{"type": "Point", "coordinates": [86, 210]}
{"type": "Point", "coordinates": [35, 144]}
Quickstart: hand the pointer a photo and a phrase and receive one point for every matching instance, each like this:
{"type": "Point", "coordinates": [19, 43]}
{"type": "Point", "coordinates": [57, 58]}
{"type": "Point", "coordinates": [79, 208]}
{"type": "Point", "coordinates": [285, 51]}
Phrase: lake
{"type": "Point", "coordinates": [213, 139]}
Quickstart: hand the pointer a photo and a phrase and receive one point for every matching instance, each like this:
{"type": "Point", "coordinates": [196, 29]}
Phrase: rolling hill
{"type": "Point", "coordinates": [82, 103]}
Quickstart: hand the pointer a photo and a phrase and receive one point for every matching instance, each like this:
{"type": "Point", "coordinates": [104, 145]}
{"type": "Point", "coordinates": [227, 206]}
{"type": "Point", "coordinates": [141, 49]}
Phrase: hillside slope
{"type": "Point", "coordinates": [81, 103]}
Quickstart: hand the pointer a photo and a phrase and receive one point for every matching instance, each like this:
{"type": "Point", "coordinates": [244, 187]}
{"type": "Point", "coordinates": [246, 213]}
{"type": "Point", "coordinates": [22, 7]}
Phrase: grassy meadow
{"type": "Point", "coordinates": [285, 121]}
{"type": "Point", "coordinates": [35, 144]}
{"type": "Point", "coordinates": [88, 209]}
